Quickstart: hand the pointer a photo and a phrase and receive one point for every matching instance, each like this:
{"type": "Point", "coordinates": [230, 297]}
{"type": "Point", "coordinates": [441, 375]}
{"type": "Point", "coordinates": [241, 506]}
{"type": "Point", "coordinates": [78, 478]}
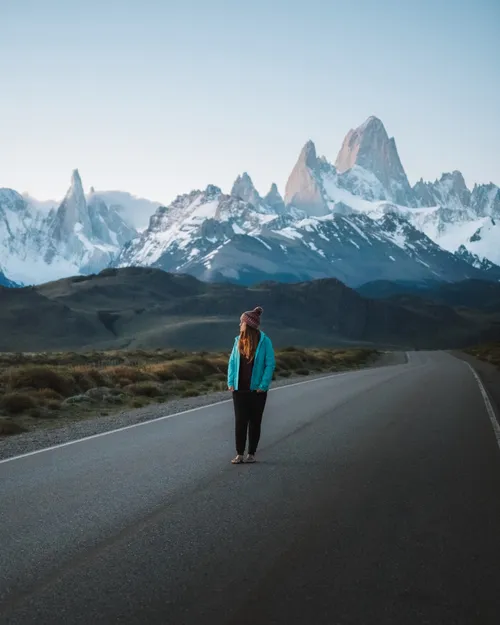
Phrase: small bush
{"type": "Point", "coordinates": [139, 402]}
{"type": "Point", "coordinates": [98, 378]}
{"type": "Point", "coordinates": [83, 380]}
{"type": "Point", "coordinates": [121, 372]}
{"type": "Point", "coordinates": [9, 428]}
{"type": "Point", "coordinates": [147, 389]}
{"type": "Point", "coordinates": [54, 404]}
{"type": "Point", "coordinates": [191, 392]}
{"type": "Point", "coordinates": [16, 403]}
{"type": "Point", "coordinates": [302, 371]}
{"type": "Point", "coordinates": [46, 394]}
{"type": "Point", "coordinates": [40, 377]}
{"type": "Point", "coordinates": [290, 360]}
{"type": "Point", "coordinates": [187, 371]}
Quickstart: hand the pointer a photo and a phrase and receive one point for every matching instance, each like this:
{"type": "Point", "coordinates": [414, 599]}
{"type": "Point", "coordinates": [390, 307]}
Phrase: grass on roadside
{"type": "Point", "coordinates": [489, 352]}
{"type": "Point", "coordinates": [47, 389]}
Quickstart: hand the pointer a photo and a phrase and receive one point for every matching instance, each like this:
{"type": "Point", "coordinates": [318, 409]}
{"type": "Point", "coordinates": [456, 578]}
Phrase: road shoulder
{"type": "Point", "coordinates": [489, 375]}
{"type": "Point", "coordinates": [40, 439]}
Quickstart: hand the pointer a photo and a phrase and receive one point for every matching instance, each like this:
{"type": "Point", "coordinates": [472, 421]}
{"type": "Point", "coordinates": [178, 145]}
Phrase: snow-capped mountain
{"type": "Point", "coordinates": [484, 264]}
{"type": "Point", "coordinates": [369, 149]}
{"type": "Point", "coordinates": [323, 231]}
{"type": "Point", "coordinates": [79, 236]}
{"type": "Point", "coordinates": [453, 216]}
{"type": "Point", "coordinates": [358, 220]}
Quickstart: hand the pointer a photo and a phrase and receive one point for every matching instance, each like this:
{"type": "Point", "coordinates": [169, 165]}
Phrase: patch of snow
{"type": "Point", "coordinates": [290, 233]}
{"type": "Point", "coordinates": [488, 243]}
{"type": "Point", "coordinates": [263, 243]}
{"type": "Point", "coordinates": [358, 230]}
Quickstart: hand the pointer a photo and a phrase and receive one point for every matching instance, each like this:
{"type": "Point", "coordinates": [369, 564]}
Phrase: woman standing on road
{"type": "Point", "coordinates": [249, 375]}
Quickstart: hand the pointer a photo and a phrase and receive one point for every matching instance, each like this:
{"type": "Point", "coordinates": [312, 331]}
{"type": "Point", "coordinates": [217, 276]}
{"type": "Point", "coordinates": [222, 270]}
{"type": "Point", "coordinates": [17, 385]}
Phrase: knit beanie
{"type": "Point", "coordinates": [252, 317]}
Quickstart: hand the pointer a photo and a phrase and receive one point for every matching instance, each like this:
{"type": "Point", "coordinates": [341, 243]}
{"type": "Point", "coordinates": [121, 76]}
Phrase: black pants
{"type": "Point", "coordinates": [248, 411]}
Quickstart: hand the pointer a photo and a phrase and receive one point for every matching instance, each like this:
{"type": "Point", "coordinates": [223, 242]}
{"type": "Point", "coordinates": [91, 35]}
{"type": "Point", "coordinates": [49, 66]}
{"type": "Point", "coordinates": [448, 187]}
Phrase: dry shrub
{"type": "Point", "coordinates": [139, 402]}
{"type": "Point", "coordinates": [146, 389]}
{"type": "Point", "coordinates": [40, 377]}
{"type": "Point", "coordinates": [98, 378]}
{"type": "Point", "coordinates": [54, 404]}
{"type": "Point", "coordinates": [46, 394]}
{"type": "Point", "coordinates": [82, 379]}
{"type": "Point", "coordinates": [16, 403]}
{"type": "Point", "coordinates": [191, 392]}
{"type": "Point", "coordinates": [9, 428]}
{"type": "Point", "coordinates": [289, 360]}
{"type": "Point", "coordinates": [176, 370]}
{"type": "Point", "coordinates": [122, 372]}
{"type": "Point", "coordinates": [209, 365]}
{"type": "Point", "coordinates": [176, 387]}
{"type": "Point", "coordinates": [302, 371]}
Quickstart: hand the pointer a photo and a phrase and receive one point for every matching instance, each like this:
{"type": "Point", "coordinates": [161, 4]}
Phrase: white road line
{"type": "Point", "coordinates": [489, 406]}
{"type": "Point", "coordinates": [170, 416]}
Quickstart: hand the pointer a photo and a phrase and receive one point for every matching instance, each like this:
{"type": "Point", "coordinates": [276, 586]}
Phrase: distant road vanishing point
{"type": "Point", "coordinates": [376, 501]}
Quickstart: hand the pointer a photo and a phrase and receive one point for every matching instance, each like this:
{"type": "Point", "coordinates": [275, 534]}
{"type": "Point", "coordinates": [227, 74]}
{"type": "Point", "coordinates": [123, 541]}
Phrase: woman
{"type": "Point", "coordinates": [249, 375]}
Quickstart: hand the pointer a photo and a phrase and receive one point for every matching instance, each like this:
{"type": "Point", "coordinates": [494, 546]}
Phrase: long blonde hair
{"type": "Point", "coordinates": [249, 340]}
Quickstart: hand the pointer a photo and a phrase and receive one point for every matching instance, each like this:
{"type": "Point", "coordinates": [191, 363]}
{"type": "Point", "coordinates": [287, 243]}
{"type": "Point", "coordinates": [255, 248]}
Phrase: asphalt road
{"type": "Point", "coordinates": [376, 501]}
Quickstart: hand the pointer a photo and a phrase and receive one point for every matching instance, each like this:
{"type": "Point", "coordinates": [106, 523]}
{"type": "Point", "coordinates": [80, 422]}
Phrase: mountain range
{"type": "Point", "coordinates": [358, 220]}
{"type": "Point", "coordinates": [138, 307]}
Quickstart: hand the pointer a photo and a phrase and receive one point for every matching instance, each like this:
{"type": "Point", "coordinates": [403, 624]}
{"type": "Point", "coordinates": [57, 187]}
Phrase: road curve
{"type": "Point", "coordinates": [376, 501]}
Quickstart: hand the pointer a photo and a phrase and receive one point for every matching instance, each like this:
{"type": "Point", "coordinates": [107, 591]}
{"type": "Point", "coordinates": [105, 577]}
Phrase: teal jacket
{"type": "Point", "coordinates": [263, 365]}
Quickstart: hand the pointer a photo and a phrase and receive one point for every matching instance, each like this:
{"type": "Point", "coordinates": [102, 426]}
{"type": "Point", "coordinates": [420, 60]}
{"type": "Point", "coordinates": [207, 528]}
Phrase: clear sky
{"type": "Point", "coordinates": [158, 97]}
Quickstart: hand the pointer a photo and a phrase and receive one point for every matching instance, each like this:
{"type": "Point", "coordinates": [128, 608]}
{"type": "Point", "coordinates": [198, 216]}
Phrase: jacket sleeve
{"type": "Point", "coordinates": [269, 366]}
{"type": "Point", "coordinates": [231, 368]}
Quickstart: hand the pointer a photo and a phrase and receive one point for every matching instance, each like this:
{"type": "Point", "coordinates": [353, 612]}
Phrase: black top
{"type": "Point", "coordinates": [245, 374]}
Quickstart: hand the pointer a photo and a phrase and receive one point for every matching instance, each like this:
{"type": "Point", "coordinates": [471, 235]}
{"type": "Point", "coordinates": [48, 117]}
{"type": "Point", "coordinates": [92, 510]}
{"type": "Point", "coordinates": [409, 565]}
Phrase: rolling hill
{"type": "Point", "coordinates": [148, 308]}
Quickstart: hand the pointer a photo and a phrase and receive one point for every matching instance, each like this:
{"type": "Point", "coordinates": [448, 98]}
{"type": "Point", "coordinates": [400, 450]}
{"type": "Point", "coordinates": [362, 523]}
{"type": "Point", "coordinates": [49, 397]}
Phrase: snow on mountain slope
{"type": "Point", "coordinates": [42, 206]}
{"type": "Point", "coordinates": [241, 237]}
{"type": "Point", "coordinates": [449, 213]}
{"type": "Point", "coordinates": [193, 227]}
{"type": "Point", "coordinates": [491, 269]}
{"type": "Point", "coordinates": [135, 211]}
{"type": "Point", "coordinates": [485, 242]}
{"type": "Point", "coordinates": [358, 221]}
{"type": "Point", "coordinates": [78, 237]}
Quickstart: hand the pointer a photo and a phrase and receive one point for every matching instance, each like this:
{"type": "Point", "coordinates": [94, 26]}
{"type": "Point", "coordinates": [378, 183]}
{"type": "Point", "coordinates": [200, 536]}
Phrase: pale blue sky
{"type": "Point", "coordinates": [158, 97]}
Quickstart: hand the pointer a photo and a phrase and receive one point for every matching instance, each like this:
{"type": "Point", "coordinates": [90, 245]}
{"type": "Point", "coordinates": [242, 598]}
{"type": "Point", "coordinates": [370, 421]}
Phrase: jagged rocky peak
{"type": "Point", "coordinates": [308, 155]}
{"type": "Point", "coordinates": [274, 199]}
{"type": "Point", "coordinates": [244, 189]}
{"type": "Point", "coordinates": [485, 200]}
{"type": "Point", "coordinates": [73, 210]}
{"type": "Point", "coordinates": [453, 184]}
{"type": "Point", "coordinates": [370, 147]}
{"type": "Point", "coordinates": [304, 189]}
{"type": "Point", "coordinates": [212, 191]}
{"type": "Point", "coordinates": [456, 178]}
{"type": "Point", "coordinates": [76, 187]}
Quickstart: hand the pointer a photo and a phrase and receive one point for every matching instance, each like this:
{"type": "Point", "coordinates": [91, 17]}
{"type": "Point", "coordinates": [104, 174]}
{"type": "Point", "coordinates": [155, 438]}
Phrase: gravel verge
{"type": "Point", "coordinates": [43, 438]}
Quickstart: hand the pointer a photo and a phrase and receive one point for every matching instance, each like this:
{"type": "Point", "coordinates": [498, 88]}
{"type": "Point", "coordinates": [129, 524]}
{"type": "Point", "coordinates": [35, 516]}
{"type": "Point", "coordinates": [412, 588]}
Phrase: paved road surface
{"type": "Point", "coordinates": [376, 501]}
